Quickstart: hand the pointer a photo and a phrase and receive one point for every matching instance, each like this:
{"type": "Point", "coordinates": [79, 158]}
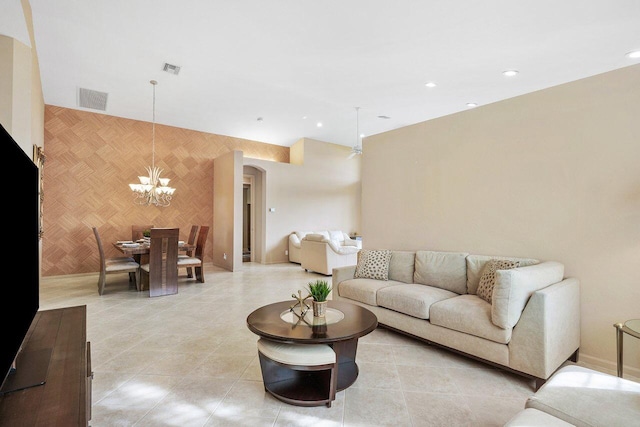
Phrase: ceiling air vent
{"type": "Point", "coordinates": [171, 69]}
{"type": "Point", "coordinates": [93, 99]}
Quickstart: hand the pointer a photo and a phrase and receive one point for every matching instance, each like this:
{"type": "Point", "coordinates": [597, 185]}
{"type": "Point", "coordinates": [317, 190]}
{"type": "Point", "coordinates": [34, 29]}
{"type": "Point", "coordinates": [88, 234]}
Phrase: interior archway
{"type": "Point", "coordinates": [253, 221]}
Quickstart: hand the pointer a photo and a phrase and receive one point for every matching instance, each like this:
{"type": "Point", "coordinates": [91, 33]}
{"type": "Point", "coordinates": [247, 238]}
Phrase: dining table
{"type": "Point", "coordinates": [140, 250]}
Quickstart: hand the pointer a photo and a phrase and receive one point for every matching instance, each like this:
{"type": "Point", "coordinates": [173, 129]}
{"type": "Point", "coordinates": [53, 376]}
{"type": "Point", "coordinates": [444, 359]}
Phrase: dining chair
{"type": "Point", "coordinates": [197, 260]}
{"type": "Point", "coordinates": [115, 265]}
{"type": "Point", "coordinates": [190, 241]}
{"type": "Point", "coordinates": [136, 234]}
{"type": "Point", "coordinates": [161, 273]}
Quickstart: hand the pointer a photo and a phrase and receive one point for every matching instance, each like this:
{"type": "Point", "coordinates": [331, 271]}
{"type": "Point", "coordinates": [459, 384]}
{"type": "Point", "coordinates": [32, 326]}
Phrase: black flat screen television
{"type": "Point", "coordinates": [19, 297]}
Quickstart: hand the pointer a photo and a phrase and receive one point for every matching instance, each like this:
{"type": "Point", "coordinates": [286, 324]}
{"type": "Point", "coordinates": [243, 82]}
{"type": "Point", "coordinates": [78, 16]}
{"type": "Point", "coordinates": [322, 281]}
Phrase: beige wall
{"type": "Point", "coordinates": [6, 82]}
{"type": "Point", "coordinates": [320, 192]}
{"type": "Point", "coordinates": [21, 104]}
{"type": "Point", "coordinates": [37, 98]}
{"type": "Point", "coordinates": [21, 100]}
{"type": "Point", "coordinates": [553, 175]}
{"type": "Point", "coordinates": [227, 211]}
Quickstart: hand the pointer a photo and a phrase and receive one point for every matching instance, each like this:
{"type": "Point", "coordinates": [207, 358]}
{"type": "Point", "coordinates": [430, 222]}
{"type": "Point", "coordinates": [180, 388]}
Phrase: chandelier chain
{"type": "Point", "coordinates": [357, 126]}
{"type": "Point", "coordinates": [153, 127]}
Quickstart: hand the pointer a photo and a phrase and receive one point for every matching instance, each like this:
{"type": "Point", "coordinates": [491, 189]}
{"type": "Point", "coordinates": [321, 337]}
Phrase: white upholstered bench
{"type": "Point", "coordinates": [582, 397]}
{"type": "Point", "coordinates": [299, 374]}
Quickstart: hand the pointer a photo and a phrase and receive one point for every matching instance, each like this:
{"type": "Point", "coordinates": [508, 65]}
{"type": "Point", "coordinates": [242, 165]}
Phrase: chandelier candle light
{"type": "Point", "coordinates": [153, 190]}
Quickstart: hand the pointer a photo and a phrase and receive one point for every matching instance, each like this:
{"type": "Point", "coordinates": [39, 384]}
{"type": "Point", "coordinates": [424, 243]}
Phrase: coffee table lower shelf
{"type": "Point", "coordinates": [304, 388]}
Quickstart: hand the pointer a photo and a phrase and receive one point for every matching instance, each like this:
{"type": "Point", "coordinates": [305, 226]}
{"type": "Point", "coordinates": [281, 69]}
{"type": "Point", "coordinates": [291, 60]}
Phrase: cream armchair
{"type": "Point", "coordinates": [322, 255]}
{"type": "Point", "coordinates": [295, 241]}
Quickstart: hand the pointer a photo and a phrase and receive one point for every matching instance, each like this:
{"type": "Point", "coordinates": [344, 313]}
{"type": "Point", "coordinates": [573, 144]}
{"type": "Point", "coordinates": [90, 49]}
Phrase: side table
{"type": "Point", "coordinates": [631, 327]}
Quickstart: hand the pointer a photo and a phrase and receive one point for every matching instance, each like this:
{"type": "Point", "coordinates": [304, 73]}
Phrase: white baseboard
{"type": "Point", "coordinates": [608, 367]}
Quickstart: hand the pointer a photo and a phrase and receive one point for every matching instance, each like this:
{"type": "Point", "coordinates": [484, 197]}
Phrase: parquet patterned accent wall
{"type": "Point", "coordinates": [91, 159]}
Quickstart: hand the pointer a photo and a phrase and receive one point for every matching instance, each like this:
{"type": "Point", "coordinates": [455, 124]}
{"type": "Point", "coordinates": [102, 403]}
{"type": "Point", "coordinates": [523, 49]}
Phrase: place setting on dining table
{"type": "Point", "coordinates": [127, 245]}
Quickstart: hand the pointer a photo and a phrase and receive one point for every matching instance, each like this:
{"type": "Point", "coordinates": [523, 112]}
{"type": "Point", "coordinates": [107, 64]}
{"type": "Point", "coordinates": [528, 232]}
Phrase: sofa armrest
{"type": "Point", "coordinates": [352, 242]}
{"type": "Point", "coordinates": [548, 331]}
{"type": "Point", "coordinates": [294, 240]}
{"type": "Point", "coordinates": [340, 274]}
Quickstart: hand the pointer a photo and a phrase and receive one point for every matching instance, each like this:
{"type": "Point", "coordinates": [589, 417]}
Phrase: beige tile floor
{"type": "Point", "coordinates": [189, 360]}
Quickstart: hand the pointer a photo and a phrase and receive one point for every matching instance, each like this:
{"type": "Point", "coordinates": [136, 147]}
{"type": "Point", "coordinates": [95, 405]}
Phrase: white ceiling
{"type": "Point", "coordinates": [283, 60]}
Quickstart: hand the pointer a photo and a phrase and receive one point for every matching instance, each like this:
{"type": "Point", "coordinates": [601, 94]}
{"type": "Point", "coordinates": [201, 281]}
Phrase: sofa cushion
{"type": "Point", "coordinates": [488, 278]}
{"type": "Point", "coordinates": [412, 299]}
{"type": "Point", "coordinates": [514, 287]}
{"type": "Point", "coordinates": [469, 314]}
{"type": "Point", "coordinates": [364, 290]}
{"type": "Point", "coordinates": [445, 270]}
{"type": "Point", "coordinates": [476, 263]}
{"type": "Point", "coordinates": [316, 237]}
{"type": "Point", "coordinates": [336, 235]}
{"type": "Point", "coordinates": [324, 234]}
{"type": "Point", "coordinates": [301, 234]}
{"type": "Point", "coordinates": [373, 264]}
{"type": "Point", "coordinates": [401, 266]}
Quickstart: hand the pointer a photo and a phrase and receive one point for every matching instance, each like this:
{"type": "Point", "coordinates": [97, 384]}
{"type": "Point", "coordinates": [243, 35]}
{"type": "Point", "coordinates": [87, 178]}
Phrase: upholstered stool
{"type": "Point", "coordinates": [584, 397]}
{"type": "Point", "coordinates": [530, 417]}
{"type": "Point", "coordinates": [299, 374]}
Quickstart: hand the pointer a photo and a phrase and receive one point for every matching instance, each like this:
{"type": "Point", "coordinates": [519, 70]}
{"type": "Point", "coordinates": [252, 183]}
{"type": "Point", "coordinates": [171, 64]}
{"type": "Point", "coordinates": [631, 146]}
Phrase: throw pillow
{"type": "Point", "coordinates": [488, 278]}
{"type": "Point", "coordinates": [373, 264]}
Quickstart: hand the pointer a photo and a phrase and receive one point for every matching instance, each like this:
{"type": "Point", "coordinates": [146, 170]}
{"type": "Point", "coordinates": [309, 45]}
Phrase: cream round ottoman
{"type": "Point", "coordinates": [300, 374]}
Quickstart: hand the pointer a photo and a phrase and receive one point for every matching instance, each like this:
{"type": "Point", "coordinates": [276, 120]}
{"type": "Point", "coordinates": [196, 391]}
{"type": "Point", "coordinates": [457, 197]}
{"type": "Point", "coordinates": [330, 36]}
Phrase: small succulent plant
{"type": "Point", "coordinates": [319, 290]}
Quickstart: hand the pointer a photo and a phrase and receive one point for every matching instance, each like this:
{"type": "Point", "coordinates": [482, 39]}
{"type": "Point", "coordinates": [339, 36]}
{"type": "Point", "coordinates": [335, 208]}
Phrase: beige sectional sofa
{"type": "Point", "coordinates": [531, 326]}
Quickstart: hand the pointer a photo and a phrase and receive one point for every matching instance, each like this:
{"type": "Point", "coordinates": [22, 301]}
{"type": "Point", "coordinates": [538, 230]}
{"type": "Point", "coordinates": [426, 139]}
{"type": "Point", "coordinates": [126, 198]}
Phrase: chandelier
{"type": "Point", "coordinates": [152, 190]}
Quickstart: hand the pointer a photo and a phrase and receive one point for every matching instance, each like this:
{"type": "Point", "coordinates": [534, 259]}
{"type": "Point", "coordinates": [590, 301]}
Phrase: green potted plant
{"type": "Point", "coordinates": [319, 291]}
{"type": "Point", "coordinates": [146, 236]}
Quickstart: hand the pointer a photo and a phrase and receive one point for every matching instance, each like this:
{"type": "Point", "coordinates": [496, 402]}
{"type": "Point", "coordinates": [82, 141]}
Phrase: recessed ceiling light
{"type": "Point", "coordinates": [304, 117]}
{"type": "Point", "coordinates": [471, 104]}
{"type": "Point", "coordinates": [633, 55]}
{"type": "Point", "coordinates": [259, 119]}
{"type": "Point", "coordinates": [319, 124]}
{"type": "Point", "coordinates": [510, 73]}
{"type": "Point", "coordinates": [430, 84]}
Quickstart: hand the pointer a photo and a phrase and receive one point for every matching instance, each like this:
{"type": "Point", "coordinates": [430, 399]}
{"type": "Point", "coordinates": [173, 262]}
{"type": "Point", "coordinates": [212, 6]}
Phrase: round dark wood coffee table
{"type": "Point", "coordinates": [344, 324]}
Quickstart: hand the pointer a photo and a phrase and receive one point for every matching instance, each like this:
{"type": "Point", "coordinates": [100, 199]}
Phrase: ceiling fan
{"type": "Point", "coordinates": [357, 148]}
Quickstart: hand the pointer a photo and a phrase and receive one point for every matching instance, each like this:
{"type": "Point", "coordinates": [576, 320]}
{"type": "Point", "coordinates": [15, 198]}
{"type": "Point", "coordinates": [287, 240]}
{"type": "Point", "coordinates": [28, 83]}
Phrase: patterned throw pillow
{"type": "Point", "coordinates": [373, 265]}
{"type": "Point", "coordinates": [488, 278]}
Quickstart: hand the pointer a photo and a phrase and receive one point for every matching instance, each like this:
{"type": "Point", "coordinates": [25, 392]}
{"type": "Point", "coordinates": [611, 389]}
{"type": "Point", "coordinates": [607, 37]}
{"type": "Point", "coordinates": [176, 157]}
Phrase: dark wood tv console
{"type": "Point", "coordinates": [65, 397]}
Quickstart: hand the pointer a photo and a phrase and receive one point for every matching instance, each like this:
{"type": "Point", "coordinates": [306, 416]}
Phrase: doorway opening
{"type": "Point", "coordinates": [248, 218]}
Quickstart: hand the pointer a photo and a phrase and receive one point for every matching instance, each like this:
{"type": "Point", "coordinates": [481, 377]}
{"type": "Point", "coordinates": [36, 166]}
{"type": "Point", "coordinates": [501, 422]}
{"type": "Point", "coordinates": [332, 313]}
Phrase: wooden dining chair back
{"type": "Point", "coordinates": [197, 260]}
{"type": "Point", "coordinates": [114, 265]}
{"type": "Point", "coordinates": [137, 230]}
{"type": "Point", "coordinates": [191, 241]}
{"type": "Point", "coordinates": [161, 272]}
